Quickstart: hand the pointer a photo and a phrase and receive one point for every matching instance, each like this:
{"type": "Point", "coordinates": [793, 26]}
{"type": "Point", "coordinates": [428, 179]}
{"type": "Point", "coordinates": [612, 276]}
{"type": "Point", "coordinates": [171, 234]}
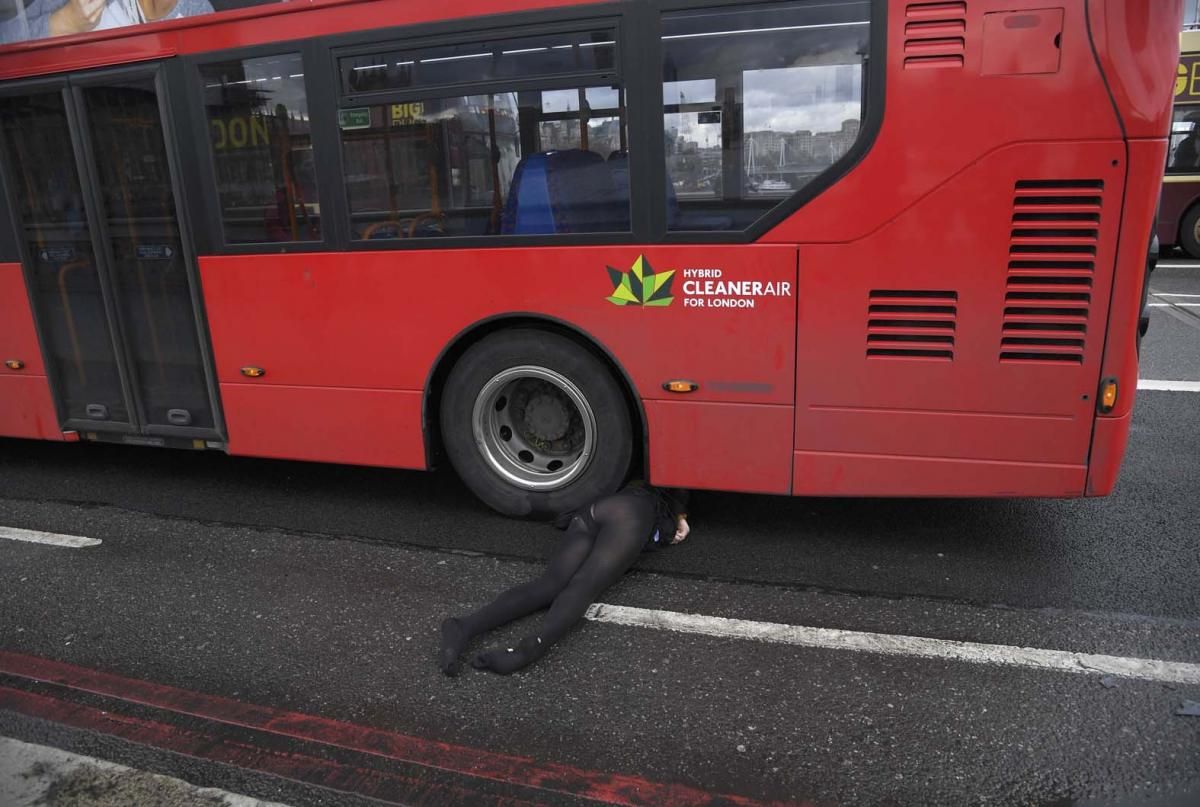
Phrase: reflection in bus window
{"type": "Point", "coordinates": [498, 163]}
{"type": "Point", "coordinates": [1185, 149]}
{"type": "Point", "coordinates": [757, 102]}
{"type": "Point", "coordinates": [258, 126]}
{"type": "Point", "coordinates": [465, 63]}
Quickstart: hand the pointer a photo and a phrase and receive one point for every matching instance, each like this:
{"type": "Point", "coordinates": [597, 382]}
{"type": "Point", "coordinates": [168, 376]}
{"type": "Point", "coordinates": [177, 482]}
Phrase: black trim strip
{"type": "Point", "coordinates": [9, 252]}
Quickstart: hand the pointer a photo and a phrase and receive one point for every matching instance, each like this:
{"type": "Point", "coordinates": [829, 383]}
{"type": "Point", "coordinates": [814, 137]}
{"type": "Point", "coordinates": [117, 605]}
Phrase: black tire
{"type": "Point", "coordinates": [609, 460]}
{"type": "Point", "coordinates": [1189, 240]}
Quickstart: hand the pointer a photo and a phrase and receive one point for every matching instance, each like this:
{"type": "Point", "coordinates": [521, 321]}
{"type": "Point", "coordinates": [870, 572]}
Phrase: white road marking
{"type": "Point", "coordinates": [1179, 265]}
{"type": "Point", "coordinates": [1169, 386]}
{"type": "Point", "coordinates": [1173, 305]}
{"type": "Point", "coordinates": [1176, 672]}
{"type": "Point", "coordinates": [53, 538]}
{"type": "Point", "coordinates": [1172, 294]}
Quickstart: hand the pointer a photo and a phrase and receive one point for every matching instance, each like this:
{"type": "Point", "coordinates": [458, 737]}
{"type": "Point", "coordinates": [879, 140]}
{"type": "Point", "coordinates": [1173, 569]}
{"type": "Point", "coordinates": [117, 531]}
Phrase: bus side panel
{"type": "Point", "coordinates": [821, 473]}
{"type": "Point", "coordinates": [325, 424]}
{"type": "Point", "coordinates": [1137, 43]}
{"type": "Point", "coordinates": [328, 328]}
{"type": "Point", "coordinates": [719, 446]}
{"type": "Point", "coordinates": [26, 405]}
{"type": "Point", "coordinates": [939, 120]}
{"type": "Point", "coordinates": [963, 332]}
{"type": "Point", "coordinates": [1120, 350]}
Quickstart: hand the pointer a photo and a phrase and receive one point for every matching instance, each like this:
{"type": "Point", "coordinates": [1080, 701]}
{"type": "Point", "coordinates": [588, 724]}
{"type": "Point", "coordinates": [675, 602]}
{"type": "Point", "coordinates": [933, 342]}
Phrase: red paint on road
{"type": "Point", "coordinates": [387, 786]}
{"type": "Point", "coordinates": [524, 772]}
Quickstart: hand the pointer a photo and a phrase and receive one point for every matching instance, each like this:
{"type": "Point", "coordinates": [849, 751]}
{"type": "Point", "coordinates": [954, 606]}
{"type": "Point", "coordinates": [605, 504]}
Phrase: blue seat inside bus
{"type": "Point", "coordinates": [578, 191]}
{"type": "Point", "coordinates": [567, 191]}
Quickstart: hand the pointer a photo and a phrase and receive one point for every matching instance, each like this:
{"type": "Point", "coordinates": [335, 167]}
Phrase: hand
{"type": "Point", "coordinates": [76, 17]}
{"type": "Point", "coordinates": [681, 531]}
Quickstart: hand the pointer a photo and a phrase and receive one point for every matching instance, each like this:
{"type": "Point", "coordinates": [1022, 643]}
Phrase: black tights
{"type": "Point", "coordinates": [598, 547]}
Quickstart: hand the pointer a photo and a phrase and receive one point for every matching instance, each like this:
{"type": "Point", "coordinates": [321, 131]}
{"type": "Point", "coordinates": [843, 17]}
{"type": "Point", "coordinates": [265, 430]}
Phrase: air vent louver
{"type": "Point", "coordinates": [1051, 263]}
{"type": "Point", "coordinates": [935, 35]}
{"type": "Point", "coordinates": [912, 324]}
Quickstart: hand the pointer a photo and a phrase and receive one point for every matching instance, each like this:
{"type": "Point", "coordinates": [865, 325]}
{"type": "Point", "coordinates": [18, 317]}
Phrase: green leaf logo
{"type": "Point", "coordinates": [641, 285]}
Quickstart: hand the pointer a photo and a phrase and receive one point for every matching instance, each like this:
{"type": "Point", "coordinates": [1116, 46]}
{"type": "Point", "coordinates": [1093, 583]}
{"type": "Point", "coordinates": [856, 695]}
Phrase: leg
{"type": "Point", "coordinates": [521, 600]}
{"type": "Point", "coordinates": [625, 522]}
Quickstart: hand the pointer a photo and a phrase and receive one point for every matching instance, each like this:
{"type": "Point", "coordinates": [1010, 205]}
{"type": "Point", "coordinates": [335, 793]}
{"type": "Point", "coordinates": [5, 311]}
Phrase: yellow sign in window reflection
{"type": "Point", "coordinates": [403, 114]}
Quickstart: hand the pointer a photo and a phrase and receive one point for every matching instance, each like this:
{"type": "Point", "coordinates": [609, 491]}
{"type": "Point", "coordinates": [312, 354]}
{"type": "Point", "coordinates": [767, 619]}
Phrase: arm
{"type": "Point", "coordinates": [74, 17]}
{"type": "Point", "coordinates": [679, 498]}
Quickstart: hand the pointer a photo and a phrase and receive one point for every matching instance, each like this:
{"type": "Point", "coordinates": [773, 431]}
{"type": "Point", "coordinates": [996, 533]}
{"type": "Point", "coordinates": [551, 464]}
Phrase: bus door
{"type": "Point", "coordinates": [94, 191]}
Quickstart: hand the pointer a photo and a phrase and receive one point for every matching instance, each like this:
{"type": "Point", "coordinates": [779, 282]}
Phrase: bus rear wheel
{"type": "Point", "coordinates": [1189, 233]}
{"type": "Point", "coordinates": [534, 424]}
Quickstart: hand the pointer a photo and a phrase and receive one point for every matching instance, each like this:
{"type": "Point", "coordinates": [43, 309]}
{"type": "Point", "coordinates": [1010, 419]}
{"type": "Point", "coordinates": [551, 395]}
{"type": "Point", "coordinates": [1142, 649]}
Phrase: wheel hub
{"type": "Point", "coordinates": [546, 418]}
{"type": "Point", "coordinates": [534, 427]}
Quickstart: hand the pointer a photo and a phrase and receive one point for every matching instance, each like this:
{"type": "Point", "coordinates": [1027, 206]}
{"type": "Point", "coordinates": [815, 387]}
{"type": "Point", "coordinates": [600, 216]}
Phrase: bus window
{"type": "Point", "coordinates": [757, 102]}
{"type": "Point", "coordinates": [493, 161]}
{"type": "Point", "coordinates": [259, 130]}
{"type": "Point", "coordinates": [1184, 154]}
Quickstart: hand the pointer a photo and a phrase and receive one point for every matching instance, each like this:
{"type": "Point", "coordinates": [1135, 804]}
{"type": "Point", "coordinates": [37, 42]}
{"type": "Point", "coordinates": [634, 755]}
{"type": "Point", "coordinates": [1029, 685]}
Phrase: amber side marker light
{"type": "Point", "coordinates": [253, 372]}
{"type": "Point", "coordinates": [15, 364]}
{"type": "Point", "coordinates": [680, 385]}
{"type": "Point", "coordinates": [1108, 395]}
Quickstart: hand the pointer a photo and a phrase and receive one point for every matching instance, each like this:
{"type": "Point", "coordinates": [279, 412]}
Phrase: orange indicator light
{"type": "Point", "coordinates": [15, 364]}
{"type": "Point", "coordinates": [1108, 395]}
{"type": "Point", "coordinates": [253, 372]}
{"type": "Point", "coordinates": [680, 385]}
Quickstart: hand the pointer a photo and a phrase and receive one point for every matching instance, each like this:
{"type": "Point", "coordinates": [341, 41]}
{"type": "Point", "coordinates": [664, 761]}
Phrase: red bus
{"type": "Point", "coordinates": [1179, 212]}
{"type": "Point", "coordinates": [807, 247]}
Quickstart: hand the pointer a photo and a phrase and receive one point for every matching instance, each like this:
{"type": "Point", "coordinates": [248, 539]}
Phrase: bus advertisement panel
{"type": "Point", "coordinates": [23, 20]}
{"type": "Point", "coordinates": [849, 247]}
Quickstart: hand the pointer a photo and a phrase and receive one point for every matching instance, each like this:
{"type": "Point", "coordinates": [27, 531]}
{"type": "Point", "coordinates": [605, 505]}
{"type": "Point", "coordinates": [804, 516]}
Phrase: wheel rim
{"type": "Point", "coordinates": [534, 427]}
{"type": "Point", "coordinates": [1196, 231]}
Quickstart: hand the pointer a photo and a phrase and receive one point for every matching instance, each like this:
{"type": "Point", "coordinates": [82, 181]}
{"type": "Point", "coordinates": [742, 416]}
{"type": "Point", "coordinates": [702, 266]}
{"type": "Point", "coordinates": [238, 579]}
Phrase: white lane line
{"type": "Point", "coordinates": [1169, 386]}
{"type": "Point", "coordinates": [53, 538]}
{"type": "Point", "coordinates": [1179, 265]}
{"type": "Point", "coordinates": [1173, 305]}
{"type": "Point", "coordinates": [1176, 672]}
{"type": "Point", "coordinates": [1172, 294]}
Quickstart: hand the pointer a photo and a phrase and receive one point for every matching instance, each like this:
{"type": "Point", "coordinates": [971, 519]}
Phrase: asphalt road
{"type": "Point", "coordinates": [318, 589]}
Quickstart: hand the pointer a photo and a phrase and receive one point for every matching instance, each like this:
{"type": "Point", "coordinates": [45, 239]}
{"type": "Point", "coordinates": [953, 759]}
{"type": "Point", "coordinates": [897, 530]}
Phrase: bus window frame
{"type": "Point", "coordinates": [10, 236]}
{"type": "Point", "coordinates": [548, 22]}
{"type": "Point", "coordinates": [208, 212]}
{"type": "Point", "coordinates": [874, 92]}
{"type": "Point", "coordinates": [638, 25]}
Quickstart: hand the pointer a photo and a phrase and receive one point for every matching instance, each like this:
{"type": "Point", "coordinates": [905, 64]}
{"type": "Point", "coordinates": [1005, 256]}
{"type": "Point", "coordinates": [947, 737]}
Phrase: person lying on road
{"type": "Point", "coordinates": [601, 542]}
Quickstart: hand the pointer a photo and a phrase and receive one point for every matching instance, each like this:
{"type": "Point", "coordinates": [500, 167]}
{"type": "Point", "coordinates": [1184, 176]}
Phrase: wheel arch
{"type": "Point", "coordinates": [435, 381]}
